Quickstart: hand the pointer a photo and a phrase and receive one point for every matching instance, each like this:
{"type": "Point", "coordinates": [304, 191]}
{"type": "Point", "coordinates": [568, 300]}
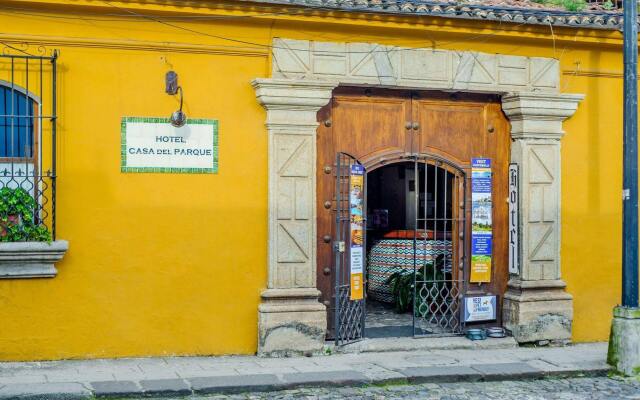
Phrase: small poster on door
{"type": "Point", "coordinates": [356, 219]}
{"type": "Point", "coordinates": [481, 220]}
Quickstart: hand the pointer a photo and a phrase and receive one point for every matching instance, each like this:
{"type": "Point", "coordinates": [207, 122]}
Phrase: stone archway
{"type": "Point", "coordinates": [536, 307]}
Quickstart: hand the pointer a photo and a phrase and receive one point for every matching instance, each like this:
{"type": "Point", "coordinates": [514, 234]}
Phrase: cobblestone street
{"type": "Point", "coordinates": [548, 389]}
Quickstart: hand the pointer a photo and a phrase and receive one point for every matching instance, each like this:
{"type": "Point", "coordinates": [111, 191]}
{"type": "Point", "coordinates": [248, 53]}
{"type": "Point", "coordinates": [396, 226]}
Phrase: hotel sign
{"type": "Point", "coordinates": [154, 145]}
{"type": "Point", "coordinates": [514, 243]}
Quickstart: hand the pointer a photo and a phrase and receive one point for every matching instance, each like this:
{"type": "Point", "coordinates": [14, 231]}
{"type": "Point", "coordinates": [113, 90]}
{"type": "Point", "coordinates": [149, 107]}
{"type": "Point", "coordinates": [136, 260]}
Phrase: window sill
{"type": "Point", "coordinates": [31, 259]}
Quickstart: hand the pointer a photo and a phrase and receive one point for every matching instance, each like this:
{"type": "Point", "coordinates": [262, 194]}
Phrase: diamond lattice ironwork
{"type": "Point", "coordinates": [349, 314]}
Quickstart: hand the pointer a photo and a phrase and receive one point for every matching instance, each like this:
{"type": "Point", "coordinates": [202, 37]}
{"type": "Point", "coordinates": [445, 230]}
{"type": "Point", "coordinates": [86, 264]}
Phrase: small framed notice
{"type": "Point", "coordinates": [479, 308]}
{"type": "Point", "coordinates": [154, 145]}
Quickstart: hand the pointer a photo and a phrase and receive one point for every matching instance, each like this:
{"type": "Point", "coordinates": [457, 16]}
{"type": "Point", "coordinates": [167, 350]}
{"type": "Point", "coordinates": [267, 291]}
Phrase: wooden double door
{"type": "Point", "coordinates": [380, 127]}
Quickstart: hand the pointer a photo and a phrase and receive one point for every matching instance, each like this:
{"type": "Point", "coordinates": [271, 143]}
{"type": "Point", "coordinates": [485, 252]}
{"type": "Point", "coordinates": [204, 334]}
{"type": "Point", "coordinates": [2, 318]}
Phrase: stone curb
{"type": "Point", "coordinates": [271, 382]}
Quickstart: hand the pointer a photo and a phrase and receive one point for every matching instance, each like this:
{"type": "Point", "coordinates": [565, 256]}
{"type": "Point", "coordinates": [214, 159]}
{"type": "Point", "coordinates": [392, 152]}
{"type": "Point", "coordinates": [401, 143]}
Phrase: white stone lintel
{"type": "Point", "coordinates": [419, 68]}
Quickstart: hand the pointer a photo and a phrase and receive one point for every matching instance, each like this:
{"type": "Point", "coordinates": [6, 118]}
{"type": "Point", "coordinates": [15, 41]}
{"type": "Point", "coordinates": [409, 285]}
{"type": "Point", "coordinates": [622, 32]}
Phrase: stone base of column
{"type": "Point", "coordinates": [290, 322]}
{"type": "Point", "coordinates": [538, 311]}
{"type": "Point", "coordinates": [624, 343]}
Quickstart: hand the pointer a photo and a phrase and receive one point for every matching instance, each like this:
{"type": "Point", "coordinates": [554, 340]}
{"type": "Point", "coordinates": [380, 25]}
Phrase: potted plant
{"type": "Point", "coordinates": [7, 225]}
{"type": "Point", "coordinates": [17, 222]}
{"type": "Point", "coordinates": [26, 246]}
{"type": "Point", "coordinates": [402, 285]}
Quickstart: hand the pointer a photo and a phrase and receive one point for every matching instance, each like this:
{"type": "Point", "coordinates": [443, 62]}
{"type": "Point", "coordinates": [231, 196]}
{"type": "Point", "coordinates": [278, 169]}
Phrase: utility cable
{"type": "Point", "coordinates": [269, 46]}
{"type": "Point", "coordinates": [254, 45]}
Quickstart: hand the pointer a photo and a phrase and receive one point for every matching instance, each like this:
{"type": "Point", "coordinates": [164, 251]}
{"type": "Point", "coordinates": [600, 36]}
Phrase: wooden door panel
{"type": "Point", "coordinates": [452, 130]}
{"type": "Point", "coordinates": [371, 126]}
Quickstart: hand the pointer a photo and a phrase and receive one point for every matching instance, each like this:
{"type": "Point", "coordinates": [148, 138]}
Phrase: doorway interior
{"type": "Point", "coordinates": [412, 286]}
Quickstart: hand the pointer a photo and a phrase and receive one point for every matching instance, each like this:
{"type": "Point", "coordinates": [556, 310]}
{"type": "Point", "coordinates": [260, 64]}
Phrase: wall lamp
{"type": "Point", "coordinates": [178, 118]}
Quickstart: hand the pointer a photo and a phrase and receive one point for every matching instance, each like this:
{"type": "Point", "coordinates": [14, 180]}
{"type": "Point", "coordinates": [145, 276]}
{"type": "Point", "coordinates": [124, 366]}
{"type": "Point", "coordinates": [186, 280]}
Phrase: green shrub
{"type": "Point", "coordinates": [570, 5]}
{"type": "Point", "coordinates": [402, 285]}
{"type": "Point", "coordinates": [17, 224]}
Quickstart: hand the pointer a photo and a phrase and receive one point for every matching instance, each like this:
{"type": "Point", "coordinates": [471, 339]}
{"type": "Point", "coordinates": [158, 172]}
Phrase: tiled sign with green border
{"type": "Point", "coordinates": [154, 145]}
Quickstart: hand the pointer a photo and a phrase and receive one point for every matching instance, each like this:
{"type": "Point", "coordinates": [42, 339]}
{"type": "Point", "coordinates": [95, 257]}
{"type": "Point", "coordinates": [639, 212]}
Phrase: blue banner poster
{"type": "Point", "coordinates": [481, 220]}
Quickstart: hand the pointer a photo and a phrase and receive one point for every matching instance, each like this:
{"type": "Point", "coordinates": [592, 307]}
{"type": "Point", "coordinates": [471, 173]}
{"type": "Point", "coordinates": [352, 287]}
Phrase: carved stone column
{"type": "Point", "coordinates": [290, 317]}
{"type": "Point", "coordinates": [536, 307]}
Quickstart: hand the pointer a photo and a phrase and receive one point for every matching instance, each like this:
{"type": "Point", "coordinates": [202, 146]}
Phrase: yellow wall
{"type": "Point", "coordinates": [158, 263]}
{"type": "Point", "coordinates": [174, 264]}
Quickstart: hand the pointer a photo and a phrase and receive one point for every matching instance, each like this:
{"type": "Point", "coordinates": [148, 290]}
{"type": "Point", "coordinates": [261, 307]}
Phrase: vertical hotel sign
{"type": "Point", "coordinates": [514, 244]}
{"type": "Point", "coordinates": [481, 220]}
{"type": "Point", "coordinates": [356, 228]}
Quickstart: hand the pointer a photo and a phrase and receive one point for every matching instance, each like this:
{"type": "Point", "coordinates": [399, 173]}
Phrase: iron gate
{"type": "Point", "coordinates": [349, 314]}
{"type": "Point", "coordinates": [439, 247]}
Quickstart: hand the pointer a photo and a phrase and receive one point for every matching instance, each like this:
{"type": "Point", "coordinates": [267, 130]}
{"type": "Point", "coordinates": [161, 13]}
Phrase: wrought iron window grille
{"type": "Point", "coordinates": [28, 119]}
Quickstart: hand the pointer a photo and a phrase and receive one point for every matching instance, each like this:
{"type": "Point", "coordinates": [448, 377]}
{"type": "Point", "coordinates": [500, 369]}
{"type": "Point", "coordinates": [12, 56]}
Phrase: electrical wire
{"type": "Point", "coordinates": [154, 19]}
{"type": "Point", "coordinates": [270, 46]}
{"type": "Point", "coordinates": [306, 8]}
{"type": "Point", "coordinates": [141, 17]}
{"type": "Point", "coordinates": [255, 45]}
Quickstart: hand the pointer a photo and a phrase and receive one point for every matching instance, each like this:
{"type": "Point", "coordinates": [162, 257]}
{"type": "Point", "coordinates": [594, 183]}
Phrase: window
{"type": "Point", "coordinates": [27, 147]}
{"type": "Point", "coordinates": [28, 164]}
{"type": "Point", "coordinates": [17, 124]}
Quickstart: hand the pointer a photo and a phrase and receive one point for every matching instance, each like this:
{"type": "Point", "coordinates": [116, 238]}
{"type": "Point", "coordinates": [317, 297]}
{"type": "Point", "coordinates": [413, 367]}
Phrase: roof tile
{"type": "Point", "coordinates": [503, 10]}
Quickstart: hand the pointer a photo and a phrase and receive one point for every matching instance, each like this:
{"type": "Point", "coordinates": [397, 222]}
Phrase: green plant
{"type": "Point", "coordinates": [17, 224]}
{"type": "Point", "coordinates": [574, 5]}
{"type": "Point", "coordinates": [607, 5]}
{"type": "Point", "coordinates": [571, 5]}
{"type": "Point", "coordinates": [402, 283]}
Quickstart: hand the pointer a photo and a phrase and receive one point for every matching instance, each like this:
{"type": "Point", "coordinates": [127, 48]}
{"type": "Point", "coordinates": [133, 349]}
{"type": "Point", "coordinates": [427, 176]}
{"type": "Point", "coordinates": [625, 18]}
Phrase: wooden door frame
{"type": "Point", "coordinates": [374, 159]}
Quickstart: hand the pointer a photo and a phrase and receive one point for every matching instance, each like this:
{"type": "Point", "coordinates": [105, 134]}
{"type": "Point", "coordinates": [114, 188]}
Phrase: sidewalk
{"type": "Point", "coordinates": [172, 376]}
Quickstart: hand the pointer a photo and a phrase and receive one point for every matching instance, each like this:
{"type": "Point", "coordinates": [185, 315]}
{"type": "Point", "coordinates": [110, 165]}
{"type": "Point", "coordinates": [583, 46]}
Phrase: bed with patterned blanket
{"type": "Point", "coordinates": [390, 255]}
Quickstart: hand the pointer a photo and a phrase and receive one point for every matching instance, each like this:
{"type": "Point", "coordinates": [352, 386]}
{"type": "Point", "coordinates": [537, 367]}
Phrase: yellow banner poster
{"type": "Point", "coordinates": [357, 287]}
{"type": "Point", "coordinates": [356, 248]}
{"type": "Point", "coordinates": [480, 268]}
